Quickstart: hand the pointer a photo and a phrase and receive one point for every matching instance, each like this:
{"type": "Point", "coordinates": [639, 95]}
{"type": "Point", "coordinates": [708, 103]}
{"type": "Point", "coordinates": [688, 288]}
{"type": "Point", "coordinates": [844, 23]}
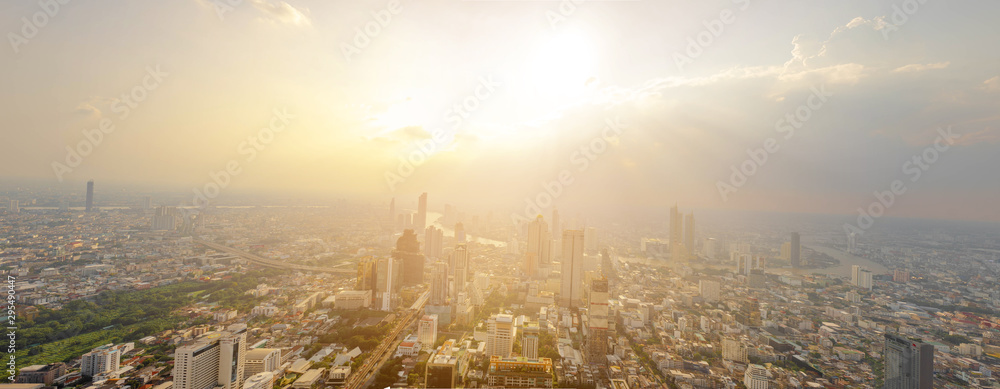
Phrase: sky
{"type": "Point", "coordinates": [517, 103]}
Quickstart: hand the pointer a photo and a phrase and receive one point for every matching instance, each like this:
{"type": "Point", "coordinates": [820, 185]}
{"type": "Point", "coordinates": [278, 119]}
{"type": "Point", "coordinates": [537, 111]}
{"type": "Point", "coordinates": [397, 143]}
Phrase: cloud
{"type": "Point", "coordinates": [281, 11]}
{"type": "Point", "coordinates": [913, 68]}
{"type": "Point", "coordinates": [991, 85]}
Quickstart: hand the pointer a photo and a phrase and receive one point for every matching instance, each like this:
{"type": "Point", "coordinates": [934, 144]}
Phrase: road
{"type": "Point", "coordinates": [270, 262]}
{"type": "Point", "coordinates": [366, 373]}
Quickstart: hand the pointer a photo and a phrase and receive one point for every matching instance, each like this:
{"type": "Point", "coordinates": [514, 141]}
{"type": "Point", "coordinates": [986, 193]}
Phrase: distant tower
{"type": "Point", "coordinates": [90, 196]}
{"type": "Point", "coordinates": [689, 234]}
{"type": "Point", "coordinates": [14, 207]}
{"type": "Point", "coordinates": [539, 252]}
{"type": "Point", "coordinates": [460, 263]}
{"type": "Point", "coordinates": [439, 283]}
{"type": "Point", "coordinates": [420, 219]}
{"type": "Point", "coordinates": [796, 251]}
{"type": "Point", "coordinates": [433, 242]}
{"type": "Point", "coordinates": [676, 234]}
{"type": "Point", "coordinates": [571, 290]}
{"type": "Point", "coordinates": [459, 232]}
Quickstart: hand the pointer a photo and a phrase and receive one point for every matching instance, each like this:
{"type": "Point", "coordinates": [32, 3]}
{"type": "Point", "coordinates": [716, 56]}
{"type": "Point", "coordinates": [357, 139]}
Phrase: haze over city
{"type": "Point", "coordinates": [365, 194]}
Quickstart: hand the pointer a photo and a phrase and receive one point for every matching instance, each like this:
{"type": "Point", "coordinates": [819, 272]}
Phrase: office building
{"type": "Point", "coordinates": [261, 360]}
{"type": "Point", "coordinates": [388, 283]}
{"type": "Point", "coordinates": [519, 373]}
{"type": "Point", "coordinates": [90, 196]}
{"type": "Point", "coordinates": [571, 288]}
{"type": "Point", "coordinates": [427, 330]}
{"type": "Point", "coordinates": [795, 256]}
{"type": "Point", "coordinates": [909, 364]}
{"type": "Point", "coordinates": [214, 360]}
{"type": "Point", "coordinates": [538, 254]}
{"type": "Point", "coordinates": [407, 252]}
{"type": "Point", "coordinates": [433, 242]}
{"type": "Point", "coordinates": [597, 334]}
{"type": "Point", "coordinates": [442, 367]}
{"type": "Point", "coordinates": [529, 342]}
{"type": "Point", "coordinates": [367, 275]}
{"type": "Point", "coordinates": [460, 264]}
{"type": "Point", "coordinates": [500, 332]}
{"type": "Point", "coordinates": [439, 284]}
{"type": "Point", "coordinates": [420, 219]}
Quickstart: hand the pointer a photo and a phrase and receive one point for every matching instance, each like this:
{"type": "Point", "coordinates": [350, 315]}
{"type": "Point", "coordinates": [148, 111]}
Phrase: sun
{"type": "Point", "coordinates": [560, 67]}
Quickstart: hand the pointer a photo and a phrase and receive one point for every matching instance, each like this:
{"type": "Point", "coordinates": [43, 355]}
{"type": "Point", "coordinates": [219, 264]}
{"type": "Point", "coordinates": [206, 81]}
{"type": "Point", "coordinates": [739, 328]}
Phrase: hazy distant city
{"type": "Point", "coordinates": [299, 194]}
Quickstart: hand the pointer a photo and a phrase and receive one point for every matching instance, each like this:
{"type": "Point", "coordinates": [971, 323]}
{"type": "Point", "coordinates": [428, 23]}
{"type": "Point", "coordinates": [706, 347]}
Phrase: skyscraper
{"type": "Point", "coordinates": [439, 283]}
{"type": "Point", "coordinates": [597, 336]}
{"type": "Point", "coordinates": [500, 334]}
{"type": "Point", "coordinates": [460, 261]}
{"type": "Point", "coordinates": [459, 232]}
{"type": "Point", "coordinates": [908, 364]}
{"type": "Point", "coordinates": [215, 360]}
{"type": "Point", "coordinates": [539, 252]}
{"type": "Point", "coordinates": [90, 196]}
{"type": "Point", "coordinates": [796, 251]}
{"type": "Point", "coordinates": [689, 237]}
{"type": "Point", "coordinates": [147, 202]}
{"type": "Point", "coordinates": [676, 235]}
{"type": "Point", "coordinates": [412, 261]}
{"type": "Point", "coordinates": [571, 290]}
{"type": "Point", "coordinates": [388, 282]}
{"type": "Point", "coordinates": [367, 275]}
{"type": "Point", "coordinates": [861, 277]}
{"type": "Point", "coordinates": [14, 207]}
{"type": "Point", "coordinates": [433, 242]}
{"type": "Point", "coordinates": [420, 219]}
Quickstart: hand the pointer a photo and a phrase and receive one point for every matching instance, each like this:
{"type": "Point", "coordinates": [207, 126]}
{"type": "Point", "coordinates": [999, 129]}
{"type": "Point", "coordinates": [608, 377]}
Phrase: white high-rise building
{"type": "Point", "coordinates": [571, 289]}
{"type": "Point", "coordinates": [755, 377]}
{"type": "Point", "coordinates": [14, 207]}
{"type": "Point", "coordinates": [427, 330]}
{"type": "Point", "coordinates": [861, 277]}
{"type": "Point", "coordinates": [500, 332]}
{"type": "Point", "coordinates": [214, 360]}
{"type": "Point", "coordinates": [100, 360]}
